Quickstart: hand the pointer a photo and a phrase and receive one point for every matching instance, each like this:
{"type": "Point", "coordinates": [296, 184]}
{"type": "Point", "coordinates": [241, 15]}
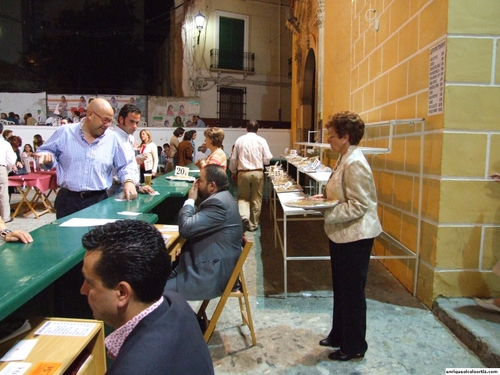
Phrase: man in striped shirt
{"type": "Point", "coordinates": [84, 155]}
{"type": "Point", "coordinates": [251, 152]}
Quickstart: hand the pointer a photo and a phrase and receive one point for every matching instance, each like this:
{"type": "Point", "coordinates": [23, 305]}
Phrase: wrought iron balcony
{"type": "Point", "coordinates": [231, 62]}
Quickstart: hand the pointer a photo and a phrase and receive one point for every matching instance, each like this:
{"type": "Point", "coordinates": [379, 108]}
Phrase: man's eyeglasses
{"type": "Point", "coordinates": [105, 120]}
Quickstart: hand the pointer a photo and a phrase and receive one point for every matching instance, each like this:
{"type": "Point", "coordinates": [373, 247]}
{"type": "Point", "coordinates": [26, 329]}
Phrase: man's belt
{"type": "Point", "coordinates": [83, 194]}
{"type": "Point", "coordinates": [250, 170]}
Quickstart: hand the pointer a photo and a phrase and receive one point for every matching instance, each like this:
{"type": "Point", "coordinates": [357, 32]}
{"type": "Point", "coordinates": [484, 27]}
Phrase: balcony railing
{"type": "Point", "coordinates": [242, 63]}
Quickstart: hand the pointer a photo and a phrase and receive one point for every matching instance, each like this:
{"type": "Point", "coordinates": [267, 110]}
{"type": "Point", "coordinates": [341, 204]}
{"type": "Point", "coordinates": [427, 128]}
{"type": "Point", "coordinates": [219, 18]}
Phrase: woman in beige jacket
{"type": "Point", "coordinates": [351, 227]}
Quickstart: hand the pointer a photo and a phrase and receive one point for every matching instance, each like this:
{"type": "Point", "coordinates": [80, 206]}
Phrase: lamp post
{"type": "Point", "coordinates": [199, 20]}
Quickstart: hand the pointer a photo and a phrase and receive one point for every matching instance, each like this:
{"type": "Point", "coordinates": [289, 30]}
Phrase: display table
{"type": "Point", "coordinates": [29, 271]}
{"type": "Point", "coordinates": [288, 213]}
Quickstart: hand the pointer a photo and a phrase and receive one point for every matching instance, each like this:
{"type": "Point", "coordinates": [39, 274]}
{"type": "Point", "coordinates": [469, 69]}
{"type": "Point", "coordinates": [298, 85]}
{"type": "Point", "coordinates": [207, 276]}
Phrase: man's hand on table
{"type": "Point", "coordinates": [129, 191]}
{"type": "Point", "coordinates": [146, 189]}
{"type": "Point", "coordinates": [18, 235]}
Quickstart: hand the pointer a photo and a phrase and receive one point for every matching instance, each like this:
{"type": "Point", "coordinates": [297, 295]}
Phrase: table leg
{"type": "Point", "coordinates": [24, 199]}
{"type": "Point", "coordinates": [36, 198]}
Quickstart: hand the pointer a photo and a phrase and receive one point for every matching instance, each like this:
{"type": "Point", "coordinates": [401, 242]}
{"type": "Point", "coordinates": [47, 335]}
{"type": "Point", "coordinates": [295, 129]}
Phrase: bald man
{"type": "Point", "coordinates": [84, 154]}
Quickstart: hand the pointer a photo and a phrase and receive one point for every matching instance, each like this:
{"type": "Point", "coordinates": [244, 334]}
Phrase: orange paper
{"type": "Point", "coordinates": [45, 368]}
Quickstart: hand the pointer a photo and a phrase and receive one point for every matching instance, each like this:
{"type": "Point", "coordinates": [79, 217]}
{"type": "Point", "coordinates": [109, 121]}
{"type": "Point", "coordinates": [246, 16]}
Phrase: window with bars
{"type": "Point", "coordinates": [232, 106]}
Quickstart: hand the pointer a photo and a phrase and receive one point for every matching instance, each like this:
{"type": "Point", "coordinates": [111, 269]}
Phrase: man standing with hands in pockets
{"type": "Point", "coordinates": [84, 155]}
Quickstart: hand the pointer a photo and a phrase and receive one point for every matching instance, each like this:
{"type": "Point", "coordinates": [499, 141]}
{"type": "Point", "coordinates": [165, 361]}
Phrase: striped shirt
{"type": "Point", "coordinates": [251, 152]}
{"type": "Point", "coordinates": [218, 157]}
{"type": "Point", "coordinates": [87, 167]}
{"type": "Point", "coordinates": [127, 141]}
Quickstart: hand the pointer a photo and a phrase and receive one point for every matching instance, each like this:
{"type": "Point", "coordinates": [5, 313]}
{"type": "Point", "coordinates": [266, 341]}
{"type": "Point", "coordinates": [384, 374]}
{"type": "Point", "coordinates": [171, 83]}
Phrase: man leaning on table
{"type": "Point", "coordinates": [85, 155]}
{"type": "Point", "coordinates": [128, 120]}
{"type": "Point", "coordinates": [125, 269]}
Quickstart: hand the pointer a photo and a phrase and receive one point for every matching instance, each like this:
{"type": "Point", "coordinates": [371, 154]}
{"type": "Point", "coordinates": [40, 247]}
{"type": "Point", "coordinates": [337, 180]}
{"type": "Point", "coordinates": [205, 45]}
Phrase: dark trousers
{"type": "Point", "coordinates": [350, 263]}
{"type": "Point", "coordinates": [67, 203]}
{"type": "Point", "coordinates": [68, 300]}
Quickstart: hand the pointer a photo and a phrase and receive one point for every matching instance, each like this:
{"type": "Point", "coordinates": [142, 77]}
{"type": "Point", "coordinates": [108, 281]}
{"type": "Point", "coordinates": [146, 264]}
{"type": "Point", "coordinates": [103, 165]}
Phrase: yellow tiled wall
{"type": "Point", "coordinates": [435, 196]}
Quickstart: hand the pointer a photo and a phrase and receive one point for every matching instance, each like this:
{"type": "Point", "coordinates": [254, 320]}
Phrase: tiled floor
{"type": "Point", "coordinates": [404, 337]}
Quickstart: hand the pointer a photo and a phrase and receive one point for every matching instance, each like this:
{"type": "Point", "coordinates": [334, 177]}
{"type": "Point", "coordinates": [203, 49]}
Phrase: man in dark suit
{"type": "Point", "coordinates": [125, 269]}
{"type": "Point", "coordinates": [213, 233]}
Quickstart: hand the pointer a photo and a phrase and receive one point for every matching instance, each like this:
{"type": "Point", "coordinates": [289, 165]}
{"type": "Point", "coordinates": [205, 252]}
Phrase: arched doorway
{"type": "Point", "coordinates": [308, 109]}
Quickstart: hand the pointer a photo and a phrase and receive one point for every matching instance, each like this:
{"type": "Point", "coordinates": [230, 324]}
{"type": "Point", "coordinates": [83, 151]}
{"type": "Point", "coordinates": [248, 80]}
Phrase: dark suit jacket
{"type": "Point", "coordinates": [168, 341]}
{"type": "Point", "coordinates": [212, 248]}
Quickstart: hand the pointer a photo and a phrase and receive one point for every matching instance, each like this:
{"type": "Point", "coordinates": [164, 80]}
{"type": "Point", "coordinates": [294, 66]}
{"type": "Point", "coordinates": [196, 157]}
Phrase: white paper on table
{"type": "Point", "coordinates": [58, 328]}
{"type": "Point", "coordinates": [16, 368]}
{"type": "Point", "coordinates": [194, 171]}
{"type": "Point", "coordinates": [169, 228]}
{"type": "Point", "coordinates": [20, 351]}
{"type": "Point", "coordinates": [84, 222]}
{"type": "Point", "coordinates": [129, 213]}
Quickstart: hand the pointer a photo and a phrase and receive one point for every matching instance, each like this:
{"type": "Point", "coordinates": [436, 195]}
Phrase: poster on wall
{"type": "Point", "coordinates": [164, 111]}
{"type": "Point", "coordinates": [75, 106]}
{"type": "Point", "coordinates": [436, 78]}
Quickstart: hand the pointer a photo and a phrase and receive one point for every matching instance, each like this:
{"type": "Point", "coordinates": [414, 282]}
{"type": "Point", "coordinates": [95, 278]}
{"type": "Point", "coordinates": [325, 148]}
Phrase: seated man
{"type": "Point", "coordinates": [125, 269]}
{"type": "Point", "coordinates": [213, 233]}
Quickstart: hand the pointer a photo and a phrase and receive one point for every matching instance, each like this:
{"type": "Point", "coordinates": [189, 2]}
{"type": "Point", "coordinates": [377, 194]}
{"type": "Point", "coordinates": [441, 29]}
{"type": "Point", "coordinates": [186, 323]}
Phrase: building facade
{"type": "Point", "coordinates": [395, 60]}
{"type": "Point", "coordinates": [236, 62]}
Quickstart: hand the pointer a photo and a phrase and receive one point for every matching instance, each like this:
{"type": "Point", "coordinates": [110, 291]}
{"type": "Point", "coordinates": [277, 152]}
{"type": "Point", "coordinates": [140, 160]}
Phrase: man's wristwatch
{"type": "Point", "coordinates": [5, 232]}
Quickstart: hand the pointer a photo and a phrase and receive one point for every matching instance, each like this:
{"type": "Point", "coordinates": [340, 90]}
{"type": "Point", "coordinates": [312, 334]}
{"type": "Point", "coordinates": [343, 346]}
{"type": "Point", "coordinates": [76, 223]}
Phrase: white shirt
{"type": "Point", "coordinates": [251, 152]}
{"type": "Point", "coordinates": [7, 154]}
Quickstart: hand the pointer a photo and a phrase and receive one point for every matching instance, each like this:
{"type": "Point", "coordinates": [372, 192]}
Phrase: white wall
{"type": "Point", "coordinates": [278, 139]}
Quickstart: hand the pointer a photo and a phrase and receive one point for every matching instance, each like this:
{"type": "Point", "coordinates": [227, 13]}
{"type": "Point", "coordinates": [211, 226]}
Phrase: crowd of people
{"type": "Point", "coordinates": [144, 296]}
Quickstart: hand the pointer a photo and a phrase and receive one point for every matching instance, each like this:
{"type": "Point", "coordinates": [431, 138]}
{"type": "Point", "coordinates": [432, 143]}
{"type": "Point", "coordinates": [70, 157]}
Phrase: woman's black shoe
{"type": "Point", "coordinates": [337, 355]}
{"type": "Point", "coordinates": [329, 342]}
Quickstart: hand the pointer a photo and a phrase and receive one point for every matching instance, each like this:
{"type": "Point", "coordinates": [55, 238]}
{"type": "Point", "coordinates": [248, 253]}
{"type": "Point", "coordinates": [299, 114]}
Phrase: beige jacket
{"type": "Point", "coordinates": [355, 217]}
{"type": "Point", "coordinates": [151, 154]}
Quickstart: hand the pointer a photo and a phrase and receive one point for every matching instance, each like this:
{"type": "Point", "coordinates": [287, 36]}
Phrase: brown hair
{"type": "Point", "coordinates": [347, 123]}
{"type": "Point", "coordinates": [216, 135]}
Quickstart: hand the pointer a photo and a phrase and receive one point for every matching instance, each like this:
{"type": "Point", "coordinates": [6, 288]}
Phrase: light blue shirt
{"type": "Point", "coordinates": [87, 167]}
{"type": "Point", "coordinates": [200, 123]}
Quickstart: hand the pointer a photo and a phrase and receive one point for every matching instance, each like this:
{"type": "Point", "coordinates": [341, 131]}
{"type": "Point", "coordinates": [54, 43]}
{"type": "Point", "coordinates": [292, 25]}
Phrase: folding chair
{"type": "Point", "coordinates": [242, 295]}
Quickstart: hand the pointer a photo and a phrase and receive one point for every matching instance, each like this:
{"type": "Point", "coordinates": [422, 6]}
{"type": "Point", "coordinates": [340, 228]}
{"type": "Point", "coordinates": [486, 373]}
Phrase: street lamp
{"type": "Point", "coordinates": [199, 20]}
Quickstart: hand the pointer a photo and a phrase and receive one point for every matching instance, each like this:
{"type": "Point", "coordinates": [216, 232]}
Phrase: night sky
{"type": "Point", "coordinates": [85, 46]}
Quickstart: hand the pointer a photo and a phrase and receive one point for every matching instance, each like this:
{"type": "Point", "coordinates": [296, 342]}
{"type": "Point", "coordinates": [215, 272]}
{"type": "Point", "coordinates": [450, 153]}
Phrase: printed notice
{"type": "Point", "coordinates": [15, 368]}
{"type": "Point", "coordinates": [45, 368]}
{"type": "Point", "coordinates": [59, 328]}
{"type": "Point", "coordinates": [436, 78]}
